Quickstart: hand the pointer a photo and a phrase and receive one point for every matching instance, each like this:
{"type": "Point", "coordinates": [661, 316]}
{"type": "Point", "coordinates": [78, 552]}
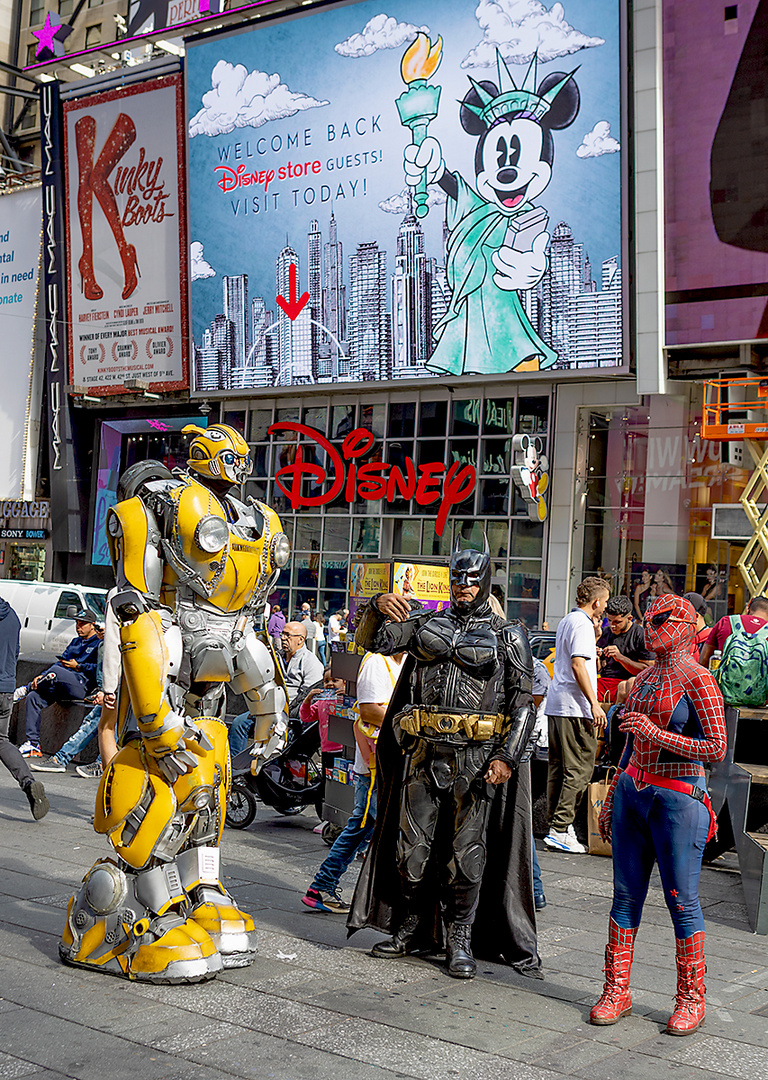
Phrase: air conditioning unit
{"type": "Point", "coordinates": [730, 522]}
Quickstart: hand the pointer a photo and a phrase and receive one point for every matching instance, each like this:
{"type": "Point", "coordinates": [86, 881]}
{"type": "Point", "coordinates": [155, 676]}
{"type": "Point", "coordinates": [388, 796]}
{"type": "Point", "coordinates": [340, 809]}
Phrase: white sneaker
{"type": "Point", "coordinates": [572, 833]}
{"type": "Point", "coordinates": [563, 841]}
{"type": "Point", "coordinates": [25, 748]}
{"type": "Point", "coordinates": [19, 693]}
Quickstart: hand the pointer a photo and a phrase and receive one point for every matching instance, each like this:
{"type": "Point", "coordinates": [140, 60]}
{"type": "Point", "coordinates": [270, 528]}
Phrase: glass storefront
{"type": "Point", "coordinates": [647, 483]}
{"type": "Point", "coordinates": [25, 562]}
{"type": "Point", "coordinates": [470, 429]}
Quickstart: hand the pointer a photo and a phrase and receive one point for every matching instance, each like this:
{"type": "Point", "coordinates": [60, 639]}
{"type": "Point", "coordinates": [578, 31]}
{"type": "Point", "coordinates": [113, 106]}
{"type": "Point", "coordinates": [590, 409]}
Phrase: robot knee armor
{"type": "Point", "coordinates": [105, 888]}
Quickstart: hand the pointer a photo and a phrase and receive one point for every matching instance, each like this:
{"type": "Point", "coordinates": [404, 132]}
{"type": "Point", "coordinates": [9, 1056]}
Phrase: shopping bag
{"type": "Point", "coordinates": [596, 795]}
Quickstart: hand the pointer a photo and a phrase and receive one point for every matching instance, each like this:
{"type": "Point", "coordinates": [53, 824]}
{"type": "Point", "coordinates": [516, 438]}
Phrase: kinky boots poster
{"type": "Point", "coordinates": [126, 238]}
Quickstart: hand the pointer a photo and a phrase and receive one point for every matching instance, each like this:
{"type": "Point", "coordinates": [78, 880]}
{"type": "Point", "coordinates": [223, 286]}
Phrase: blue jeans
{"type": "Point", "coordinates": [240, 733]}
{"type": "Point", "coordinates": [84, 734]}
{"type": "Point", "coordinates": [658, 825]}
{"type": "Point", "coordinates": [350, 840]}
{"type": "Point", "coordinates": [67, 684]}
{"type": "Point", "coordinates": [538, 888]}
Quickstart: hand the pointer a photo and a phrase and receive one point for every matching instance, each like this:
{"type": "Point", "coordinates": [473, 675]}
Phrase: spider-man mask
{"type": "Point", "coordinates": [669, 624]}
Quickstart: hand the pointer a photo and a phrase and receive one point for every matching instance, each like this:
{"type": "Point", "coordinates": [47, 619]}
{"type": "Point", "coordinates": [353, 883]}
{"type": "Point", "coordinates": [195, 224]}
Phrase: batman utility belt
{"type": "Point", "coordinates": [476, 726]}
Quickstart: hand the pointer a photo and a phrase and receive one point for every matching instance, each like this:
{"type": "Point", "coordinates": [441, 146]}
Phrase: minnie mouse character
{"type": "Point", "coordinates": [498, 239]}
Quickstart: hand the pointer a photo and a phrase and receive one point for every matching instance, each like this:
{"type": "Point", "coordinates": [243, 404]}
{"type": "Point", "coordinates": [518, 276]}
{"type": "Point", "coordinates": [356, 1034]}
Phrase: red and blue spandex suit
{"type": "Point", "coordinates": [675, 722]}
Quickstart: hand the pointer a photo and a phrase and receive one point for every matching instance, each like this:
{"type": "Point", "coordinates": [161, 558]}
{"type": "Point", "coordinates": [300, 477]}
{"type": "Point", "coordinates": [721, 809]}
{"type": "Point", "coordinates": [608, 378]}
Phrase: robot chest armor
{"type": "Point", "coordinates": [221, 556]}
{"type": "Point", "coordinates": [473, 648]}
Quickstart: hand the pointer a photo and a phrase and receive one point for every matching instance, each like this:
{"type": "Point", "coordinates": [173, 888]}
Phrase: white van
{"type": "Point", "coordinates": [46, 612]}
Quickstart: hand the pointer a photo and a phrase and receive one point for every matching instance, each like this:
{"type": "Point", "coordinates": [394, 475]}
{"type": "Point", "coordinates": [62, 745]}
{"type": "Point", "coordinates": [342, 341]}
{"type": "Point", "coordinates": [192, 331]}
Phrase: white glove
{"type": "Point", "coordinates": [420, 159]}
{"type": "Point", "coordinates": [521, 269]}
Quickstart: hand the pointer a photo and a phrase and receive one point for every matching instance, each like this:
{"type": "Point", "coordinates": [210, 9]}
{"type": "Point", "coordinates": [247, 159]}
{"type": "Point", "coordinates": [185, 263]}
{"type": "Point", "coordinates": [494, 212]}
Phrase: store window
{"type": "Point", "coordinates": [474, 429]}
{"type": "Point", "coordinates": [648, 483]}
{"type": "Point", "coordinates": [26, 562]}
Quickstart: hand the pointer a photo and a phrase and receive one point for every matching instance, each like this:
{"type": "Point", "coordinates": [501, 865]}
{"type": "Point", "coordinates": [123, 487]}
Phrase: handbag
{"type": "Point", "coordinates": [597, 792]}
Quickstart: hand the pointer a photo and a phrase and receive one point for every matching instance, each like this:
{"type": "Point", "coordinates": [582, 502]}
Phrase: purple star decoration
{"type": "Point", "coordinates": [51, 38]}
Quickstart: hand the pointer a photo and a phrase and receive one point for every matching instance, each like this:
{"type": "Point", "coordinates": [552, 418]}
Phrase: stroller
{"type": "Point", "coordinates": [288, 782]}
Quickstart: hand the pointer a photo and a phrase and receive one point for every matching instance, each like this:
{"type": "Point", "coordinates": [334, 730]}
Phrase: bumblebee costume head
{"type": "Point", "coordinates": [219, 454]}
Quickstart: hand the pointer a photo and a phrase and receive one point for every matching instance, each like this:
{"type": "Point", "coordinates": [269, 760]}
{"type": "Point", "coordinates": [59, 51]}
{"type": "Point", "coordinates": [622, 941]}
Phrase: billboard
{"type": "Point", "coordinates": [715, 157]}
{"type": "Point", "coordinates": [366, 579]}
{"type": "Point", "coordinates": [437, 193]}
{"type": "Point", "coordinates": [21, 215]}
{"type": "Point", "coordinates": [126, 238]}
{"type": "Point", "coordinates": [429, 585]}
{"type": "Point", "coordinates": [155, 442]}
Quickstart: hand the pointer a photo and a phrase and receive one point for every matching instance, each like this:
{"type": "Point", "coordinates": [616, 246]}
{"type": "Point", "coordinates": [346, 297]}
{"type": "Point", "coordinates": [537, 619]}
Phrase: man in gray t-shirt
{"type": "Point", "coordinates": [302, 668]}
{"type": "Point", "coordinates": [575, 715]}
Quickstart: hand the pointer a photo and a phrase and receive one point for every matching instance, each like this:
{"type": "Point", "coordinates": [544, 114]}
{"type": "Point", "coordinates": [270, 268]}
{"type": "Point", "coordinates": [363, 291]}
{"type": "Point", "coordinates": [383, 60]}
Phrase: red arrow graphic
{"type": "Point", "coordinates": [294, 305]}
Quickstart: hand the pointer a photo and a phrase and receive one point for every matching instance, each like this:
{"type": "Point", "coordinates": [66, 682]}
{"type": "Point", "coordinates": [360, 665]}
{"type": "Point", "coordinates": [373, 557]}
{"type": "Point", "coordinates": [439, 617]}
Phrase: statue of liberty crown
{"type": "Point", "coordinates": [512, 99]}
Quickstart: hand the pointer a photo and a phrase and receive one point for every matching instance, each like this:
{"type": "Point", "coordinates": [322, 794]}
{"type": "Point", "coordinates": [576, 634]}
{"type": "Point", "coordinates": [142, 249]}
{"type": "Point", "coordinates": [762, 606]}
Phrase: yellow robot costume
{"type": "Point", "coordinates": [194, 567]}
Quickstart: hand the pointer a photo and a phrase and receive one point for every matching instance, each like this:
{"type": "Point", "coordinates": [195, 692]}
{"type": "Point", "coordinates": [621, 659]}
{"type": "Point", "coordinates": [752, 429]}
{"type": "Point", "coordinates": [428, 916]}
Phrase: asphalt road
{"type": "Point", "coordinates": [316, 1007]}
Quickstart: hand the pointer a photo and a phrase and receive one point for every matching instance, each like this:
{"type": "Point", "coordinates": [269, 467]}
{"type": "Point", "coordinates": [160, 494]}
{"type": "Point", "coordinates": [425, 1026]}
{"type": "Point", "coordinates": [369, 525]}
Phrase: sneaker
{"type": "Point", "coordinates": [92, 771]}
{"type": "Point", "coordinates": [47, 764]}
{"type": "Point", "coordinates": [330, 903]}
{"type": "Point", "coordinates": [19, 693]}
{"type": "Point", "coordinates": [27, 750]}
{"type": "Point", "coordinates": [564, 841]}
{"type": "Point", "coordinates": [540, 901]}
{"type": "Point", "coordinates": [38, 801]}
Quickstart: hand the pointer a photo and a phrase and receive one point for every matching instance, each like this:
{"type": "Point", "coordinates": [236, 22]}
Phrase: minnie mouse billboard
{"type": "Point", "coordinates": [424, 238]}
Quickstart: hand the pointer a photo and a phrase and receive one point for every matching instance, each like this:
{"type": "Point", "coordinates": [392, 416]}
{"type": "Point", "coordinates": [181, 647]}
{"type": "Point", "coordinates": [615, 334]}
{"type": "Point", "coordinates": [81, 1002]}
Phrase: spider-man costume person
{"type": "Point", "coordinates": [657, 810]}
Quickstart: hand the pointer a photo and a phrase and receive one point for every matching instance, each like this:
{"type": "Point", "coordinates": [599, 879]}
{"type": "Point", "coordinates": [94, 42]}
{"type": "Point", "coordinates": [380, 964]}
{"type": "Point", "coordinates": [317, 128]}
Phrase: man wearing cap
{"type": "Point", "coordinates": [699, 605]}
{"type": "Point", "coordinates": [70, 679]}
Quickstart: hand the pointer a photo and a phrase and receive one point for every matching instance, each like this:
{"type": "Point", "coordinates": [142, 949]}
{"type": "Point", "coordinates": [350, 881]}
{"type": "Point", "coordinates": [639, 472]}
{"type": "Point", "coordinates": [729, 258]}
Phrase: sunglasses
{"type": "Point", "coordinates": [661, 617]}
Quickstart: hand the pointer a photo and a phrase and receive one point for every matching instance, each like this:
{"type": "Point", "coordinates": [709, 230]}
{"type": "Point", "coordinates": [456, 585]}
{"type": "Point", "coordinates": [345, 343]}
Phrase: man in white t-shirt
{"type": "Point", "coordinates": [376, 681]}
{"type": "Point", "coordinates": [334, 630]}
{"type": "Point", "coordinates": [575, 715]}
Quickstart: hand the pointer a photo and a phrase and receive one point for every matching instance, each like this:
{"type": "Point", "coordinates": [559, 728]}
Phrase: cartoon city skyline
{"type": "Point", "coordinates": [377, 325]}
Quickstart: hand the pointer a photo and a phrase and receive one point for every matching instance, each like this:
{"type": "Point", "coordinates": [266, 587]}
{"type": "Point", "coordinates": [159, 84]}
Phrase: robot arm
{"type": "Point", "coordinates": [168, 737]}
{"type": "Point", "coordinates": [259, 679]}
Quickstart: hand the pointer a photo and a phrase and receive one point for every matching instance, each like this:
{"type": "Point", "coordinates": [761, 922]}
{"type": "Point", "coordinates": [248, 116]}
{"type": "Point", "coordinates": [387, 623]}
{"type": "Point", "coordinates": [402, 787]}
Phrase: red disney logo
{"type": "Point", "coordinates": [372, 480]}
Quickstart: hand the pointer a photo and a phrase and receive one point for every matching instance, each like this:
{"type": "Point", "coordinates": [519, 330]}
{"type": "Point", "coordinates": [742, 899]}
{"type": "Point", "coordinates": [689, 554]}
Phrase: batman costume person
{"type": "Point", "coordinates": [453, 835]}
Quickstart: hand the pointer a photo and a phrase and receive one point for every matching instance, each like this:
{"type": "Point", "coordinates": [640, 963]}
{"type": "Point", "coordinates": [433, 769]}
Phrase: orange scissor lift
{"type": "Point", "coordinates": [737, 409]}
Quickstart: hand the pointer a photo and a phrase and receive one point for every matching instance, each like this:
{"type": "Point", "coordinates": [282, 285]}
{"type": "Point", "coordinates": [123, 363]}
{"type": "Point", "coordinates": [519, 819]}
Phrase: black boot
{"type": "Point", "coordinates": [38, 801]}
{"type": "Point", "coordinates": [461, 963]}
{"type": "Point", "coordinates": [400, 943]}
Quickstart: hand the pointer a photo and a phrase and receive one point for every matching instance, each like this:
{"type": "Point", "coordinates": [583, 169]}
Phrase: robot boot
{"type": "Point", "coordinates": [214, 910]}
{"type": "Point", "coordinates": [110, 927]}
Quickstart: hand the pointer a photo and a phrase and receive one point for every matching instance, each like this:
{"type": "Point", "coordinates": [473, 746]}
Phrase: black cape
{"type": "Point", "coordinates": [505, 924]}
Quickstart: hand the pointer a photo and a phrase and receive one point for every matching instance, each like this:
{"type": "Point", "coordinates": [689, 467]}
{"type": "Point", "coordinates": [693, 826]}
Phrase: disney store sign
{"type": "Point", "coordinates": [432, 484]}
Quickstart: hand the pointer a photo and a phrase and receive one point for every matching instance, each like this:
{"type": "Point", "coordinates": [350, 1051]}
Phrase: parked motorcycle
{"type": "Point", "coordinates": [288, 782]}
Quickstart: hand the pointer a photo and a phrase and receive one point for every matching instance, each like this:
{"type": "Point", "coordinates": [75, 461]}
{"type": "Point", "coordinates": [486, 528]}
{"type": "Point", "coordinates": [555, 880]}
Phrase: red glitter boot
{"type": "Point", "coordinates": [689, 1001]}
{"type": "Point", "coordinates": [616, 1000]}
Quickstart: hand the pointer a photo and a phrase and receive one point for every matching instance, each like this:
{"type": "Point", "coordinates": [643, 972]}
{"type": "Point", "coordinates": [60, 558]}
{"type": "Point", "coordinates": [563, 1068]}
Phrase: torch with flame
{"type": "Point", "coordinates": [418, 105]}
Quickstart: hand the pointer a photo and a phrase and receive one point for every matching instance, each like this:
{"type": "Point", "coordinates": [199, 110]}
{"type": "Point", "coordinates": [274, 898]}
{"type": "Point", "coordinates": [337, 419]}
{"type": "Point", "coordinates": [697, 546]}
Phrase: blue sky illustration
{"type": "Point", "coordinates": [301, 53]}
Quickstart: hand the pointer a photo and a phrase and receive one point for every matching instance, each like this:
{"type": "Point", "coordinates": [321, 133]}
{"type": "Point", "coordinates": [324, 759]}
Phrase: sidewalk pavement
{"type": "Point", "coordinates": [316, 1007]}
